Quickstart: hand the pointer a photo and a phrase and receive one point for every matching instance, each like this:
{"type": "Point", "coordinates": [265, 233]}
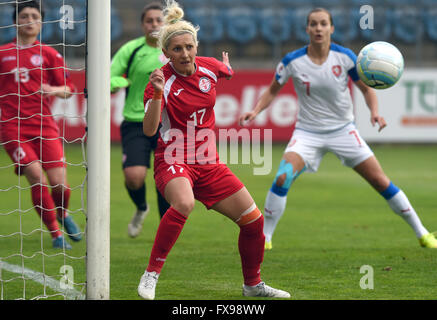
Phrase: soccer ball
{"type": "Point", "coordinates": [380, 65]}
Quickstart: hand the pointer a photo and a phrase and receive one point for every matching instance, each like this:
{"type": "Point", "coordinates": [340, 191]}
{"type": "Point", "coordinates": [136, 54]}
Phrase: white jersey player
{"type": "Point", "coordinates": [325, 122]}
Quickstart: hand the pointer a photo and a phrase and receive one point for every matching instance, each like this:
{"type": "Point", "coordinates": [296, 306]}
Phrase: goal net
{"type": "Point", "coordinates": [46, 217]}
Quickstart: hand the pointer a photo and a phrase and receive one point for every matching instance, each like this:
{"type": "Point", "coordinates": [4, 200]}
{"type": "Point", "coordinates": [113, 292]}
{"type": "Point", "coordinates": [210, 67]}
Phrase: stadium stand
{"type": "Point", "coordinates": [211, 20]}
{"type": "Point", "coordinates": [430, 18]}
{"type": "Point", "coordinates": [7, 32]}
{"type": "Point", "coordinates": [241, 24]}
{"type": "Point", "coordinates": [407, 23]}
{"type": "Point", "coordinates": [277, 23]}
{"type": "Point", "coordinates": [345, 28]}
{"type": "Point", "coordinates": [52, 31]}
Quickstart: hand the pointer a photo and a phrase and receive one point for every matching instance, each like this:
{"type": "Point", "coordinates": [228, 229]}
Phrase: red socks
{"type": "Point", "coordinates": [251, 246]}
{"type": "Point", "coordinates": [61, 198]}
{"type": "Point", "coordinates": [44, 205]}
{"type": "Point", "coordinates": [168, 232]}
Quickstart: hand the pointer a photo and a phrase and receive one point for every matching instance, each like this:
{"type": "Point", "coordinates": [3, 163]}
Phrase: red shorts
{"type": "Point", "coordinates": [48, 151]}
{"type": "Point", "coordinates": [211, 183]}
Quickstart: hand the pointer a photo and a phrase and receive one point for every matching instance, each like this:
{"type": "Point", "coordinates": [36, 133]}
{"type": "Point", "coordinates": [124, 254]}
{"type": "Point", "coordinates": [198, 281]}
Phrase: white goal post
{"type": "Point", "coordinates": [98, 148]}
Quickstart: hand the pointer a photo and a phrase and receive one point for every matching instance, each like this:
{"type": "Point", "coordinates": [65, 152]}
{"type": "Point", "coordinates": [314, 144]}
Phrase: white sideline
{"type": "Point", "coordinates": [70, 294]}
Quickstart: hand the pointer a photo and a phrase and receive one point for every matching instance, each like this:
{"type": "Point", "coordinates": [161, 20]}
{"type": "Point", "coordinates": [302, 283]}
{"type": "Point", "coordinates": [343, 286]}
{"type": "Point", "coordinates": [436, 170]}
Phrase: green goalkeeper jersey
{"type": "Point", "coordinates": [130, 68]}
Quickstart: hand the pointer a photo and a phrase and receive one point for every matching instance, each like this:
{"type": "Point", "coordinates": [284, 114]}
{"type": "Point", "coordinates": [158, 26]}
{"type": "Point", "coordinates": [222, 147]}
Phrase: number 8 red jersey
{"type": "Point", "coordinates": [187, 112]}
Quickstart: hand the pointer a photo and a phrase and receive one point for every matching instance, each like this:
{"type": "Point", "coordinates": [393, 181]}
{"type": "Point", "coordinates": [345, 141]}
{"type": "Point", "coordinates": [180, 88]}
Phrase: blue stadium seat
{"type": "Point", "coordinates": [407, 24]}
{"type": "Point", "coordinates": [328, 4]}
{"type": "Point", "coordinates": [430, 3]}
{"type": "Point", "coordinates": [116, 24]}
{"type": "Point", "coordinates": [186, 4]}
{"type": "Point", "coordinates": [430, 19]}
{"type": "Point", "coordinates": [299, 24]}
{"type": "Point", "coordinates": [51, 4]}
{"type": "Point", "coordinates": [49, 25]}
{"type": "Point", "coordinates": [382, 25]}
{"type": "Point", "coordinates": [241, 25]}
{"type": "Point", "coordinates": [345, 28]}
{"type": "Point", "coordinates": [6, 33]}
{"type": "Point", "coordinates": [295, 3]}
{"type": "Point", "coordinates": [364, 2]}
{"type": "Point", "coordinates": [396, 3]}
{"type": "Point", "coordinates": [210, 22]}
{"type": "Point", "coordinates": [242, 3]}
{"type": "Point", "coordinates": [276, 24]}
{"type": "Point", "coordinates": [80, 3]}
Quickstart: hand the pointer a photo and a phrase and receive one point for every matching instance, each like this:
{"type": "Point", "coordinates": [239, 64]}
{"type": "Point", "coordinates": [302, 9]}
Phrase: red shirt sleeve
{"type": "Point", "coordinates": [224, 71]}
{"type": "Point", "coordinates": [220, 69]}
{"type": "Point", "coordinates": [59, 75]}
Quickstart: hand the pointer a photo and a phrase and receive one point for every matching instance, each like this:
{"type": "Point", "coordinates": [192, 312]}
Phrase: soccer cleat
{"type": "Point", "coordinates": [136, 224]}
{"type": "Point", "coordinates": [60, 243]}
{"type": "Point", "coordinates": [268, 245]}
{"type": "Point", "coordinates": [263, 290]}
{"type": "Point", "coordinates": [71, 227]}
{"type": "Point", "coordinates": [428, 241]}
{"type": "Point", "coordinates": [146, 288]}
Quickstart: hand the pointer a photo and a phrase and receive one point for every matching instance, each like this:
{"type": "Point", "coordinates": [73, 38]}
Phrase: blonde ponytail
{"type": "Point", "coordinates": [174, 25]}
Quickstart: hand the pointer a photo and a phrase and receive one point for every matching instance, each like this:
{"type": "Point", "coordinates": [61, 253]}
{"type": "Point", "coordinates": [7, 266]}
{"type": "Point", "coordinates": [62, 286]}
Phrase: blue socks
{"type": "Point", "coordinates": [390, 192]}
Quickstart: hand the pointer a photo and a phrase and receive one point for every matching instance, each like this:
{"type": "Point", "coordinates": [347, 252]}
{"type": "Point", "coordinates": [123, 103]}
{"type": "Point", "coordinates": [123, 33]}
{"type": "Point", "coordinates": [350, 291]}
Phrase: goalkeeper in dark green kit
{"type": "Point", "coordinates": [130, 69]}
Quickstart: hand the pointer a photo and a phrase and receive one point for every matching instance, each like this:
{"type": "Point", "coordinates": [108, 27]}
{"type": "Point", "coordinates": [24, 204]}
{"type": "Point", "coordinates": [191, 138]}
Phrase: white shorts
{"type": "Point", "coordinates": [345, 143]}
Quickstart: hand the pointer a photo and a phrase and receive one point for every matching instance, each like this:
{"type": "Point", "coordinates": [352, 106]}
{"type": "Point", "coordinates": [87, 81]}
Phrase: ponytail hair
{"type": "Point", "coordinates": [174, 25]}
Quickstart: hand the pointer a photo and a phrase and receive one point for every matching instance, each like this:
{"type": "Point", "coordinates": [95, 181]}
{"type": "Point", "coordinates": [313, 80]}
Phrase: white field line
{"type": "Point", "coordinates": [39, 277]}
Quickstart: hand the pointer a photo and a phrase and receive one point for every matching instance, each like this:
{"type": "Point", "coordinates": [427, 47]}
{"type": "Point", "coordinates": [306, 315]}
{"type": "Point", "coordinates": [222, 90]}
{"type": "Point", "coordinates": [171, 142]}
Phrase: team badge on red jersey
{"type": "Point", "coordinates": [336, 70]}
{"type": "Point", "coordinates": [18, 154]}
{"type": "Point", "coordinates": [204, 84]}
{"type": "Point", "coordinates": [36, 60]}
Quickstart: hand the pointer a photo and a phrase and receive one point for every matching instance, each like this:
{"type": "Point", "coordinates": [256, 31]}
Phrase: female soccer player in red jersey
{"type": "Point", "coordinates": [31, 73]}
{"type": "Point", "coordinates": [181, 95]}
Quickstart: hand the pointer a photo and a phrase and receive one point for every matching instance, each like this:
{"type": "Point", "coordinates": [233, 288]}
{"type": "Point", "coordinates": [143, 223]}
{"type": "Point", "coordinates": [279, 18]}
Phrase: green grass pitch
{"type": "Point", "coordinates": [334, 224]}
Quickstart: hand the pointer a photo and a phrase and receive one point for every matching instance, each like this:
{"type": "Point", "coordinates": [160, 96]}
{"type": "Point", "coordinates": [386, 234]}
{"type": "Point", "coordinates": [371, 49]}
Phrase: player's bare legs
{"type": "Point", "coordinates": [179, 194]}
{"type": "Point", "coordinates": [234, 205]}
{"type": "Point", "coordinates": [43, 202]}
{"type": "Point", "coordinates": [371, 170]}
{"type": "Point", "coordinates": [34, 173]}
{"type": "Point", "coordinates": [134, 177]}
{"type": "Point", "coordinates": [291, 165]}
{"type": "Point", "coordinates": [241, 209]}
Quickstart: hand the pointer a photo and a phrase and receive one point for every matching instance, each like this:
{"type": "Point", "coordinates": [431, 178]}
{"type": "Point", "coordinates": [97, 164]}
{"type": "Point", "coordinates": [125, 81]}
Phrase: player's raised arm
{"type": "Point", "coordinates": [226, 62]}
{"type": "Point", "coordinates": [263, 103]}
{"type": "Point", "coordinates": [372, 103]}
{"type": "Point", "coordinates": [152, 113]}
